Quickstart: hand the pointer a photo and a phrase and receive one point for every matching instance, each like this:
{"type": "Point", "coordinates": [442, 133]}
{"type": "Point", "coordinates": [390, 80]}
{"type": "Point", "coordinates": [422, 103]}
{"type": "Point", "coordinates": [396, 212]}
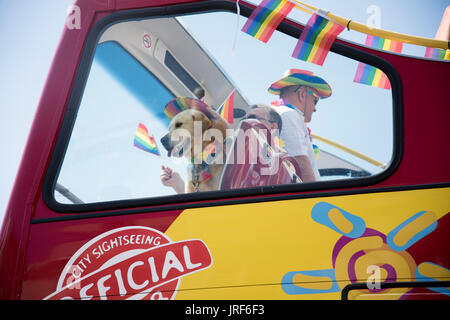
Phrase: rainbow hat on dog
{"type": "Point", "coordinates": [298, 77]}
{"type": "Point", "coordinates": [180, 104]}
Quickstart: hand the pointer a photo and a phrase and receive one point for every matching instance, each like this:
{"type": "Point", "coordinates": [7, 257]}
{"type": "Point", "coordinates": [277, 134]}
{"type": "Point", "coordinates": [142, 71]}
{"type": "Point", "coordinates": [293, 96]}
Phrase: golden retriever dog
{"type": "Point", "coordinates": [198, 133]}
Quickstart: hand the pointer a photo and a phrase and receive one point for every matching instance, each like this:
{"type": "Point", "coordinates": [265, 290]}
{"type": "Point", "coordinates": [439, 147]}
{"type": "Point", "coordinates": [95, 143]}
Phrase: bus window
{"type": "Point", "coordinates": [119, 149]}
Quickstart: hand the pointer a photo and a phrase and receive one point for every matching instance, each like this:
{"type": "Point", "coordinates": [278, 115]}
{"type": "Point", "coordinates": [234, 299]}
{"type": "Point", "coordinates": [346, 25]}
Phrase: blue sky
{"type": "Point", "coordinates": [30, 31]}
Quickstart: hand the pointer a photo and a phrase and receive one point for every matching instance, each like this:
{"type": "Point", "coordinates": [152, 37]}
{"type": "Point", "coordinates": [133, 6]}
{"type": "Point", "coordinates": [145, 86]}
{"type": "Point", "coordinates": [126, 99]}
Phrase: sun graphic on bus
{"type": "Point", "coordinates": [365, 255]}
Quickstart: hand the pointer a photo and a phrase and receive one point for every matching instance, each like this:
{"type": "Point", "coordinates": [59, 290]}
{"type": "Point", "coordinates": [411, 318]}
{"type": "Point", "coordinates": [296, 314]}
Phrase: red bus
{"type": "Point", "coordinates": [90, 218]}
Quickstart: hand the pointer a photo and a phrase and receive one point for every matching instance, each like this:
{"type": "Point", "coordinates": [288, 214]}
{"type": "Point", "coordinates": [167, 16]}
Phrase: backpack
{"type": "Point", "coordinates": [254, 161]}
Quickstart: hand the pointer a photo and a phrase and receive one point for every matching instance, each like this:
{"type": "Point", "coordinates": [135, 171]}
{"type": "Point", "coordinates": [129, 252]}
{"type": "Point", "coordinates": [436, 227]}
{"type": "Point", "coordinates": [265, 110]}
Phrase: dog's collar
{"type": "Point", "coordinates": [199, 173]}
{"type": "Point", "coordinates": [200, 166]}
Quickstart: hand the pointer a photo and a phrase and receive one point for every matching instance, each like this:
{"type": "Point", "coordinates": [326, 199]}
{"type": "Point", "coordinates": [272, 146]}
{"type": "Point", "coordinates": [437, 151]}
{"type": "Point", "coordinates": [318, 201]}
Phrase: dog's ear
{"type": "Point", "coordinates": [200, 116]}
{"type": "Point", "coordinates": [221, 125]}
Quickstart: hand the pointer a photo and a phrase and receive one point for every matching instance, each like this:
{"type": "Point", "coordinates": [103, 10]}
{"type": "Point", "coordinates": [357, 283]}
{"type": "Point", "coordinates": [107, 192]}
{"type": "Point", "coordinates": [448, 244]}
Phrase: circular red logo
{"type": "Point", "coordinates": [130, 263]}
{"type": "Point", "coordinates": [147, 41]}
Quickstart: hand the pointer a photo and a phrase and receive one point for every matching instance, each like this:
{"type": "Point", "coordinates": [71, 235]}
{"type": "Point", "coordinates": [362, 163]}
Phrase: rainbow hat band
{"type": "Point", "coordinates": [177, 105]}
{"type": "Point", "coordinates": [296, 77]}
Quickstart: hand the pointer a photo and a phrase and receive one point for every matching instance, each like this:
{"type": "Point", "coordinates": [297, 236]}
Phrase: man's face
{"type": "Point", "coordinates": [261, 115]}
{"type": "Point", "coordinates": [310, 97]}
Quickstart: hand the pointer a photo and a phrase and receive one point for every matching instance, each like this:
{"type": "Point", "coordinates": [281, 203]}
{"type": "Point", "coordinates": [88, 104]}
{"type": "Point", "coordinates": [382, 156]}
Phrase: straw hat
{"type": "Point", "coordinates": [295, 77]}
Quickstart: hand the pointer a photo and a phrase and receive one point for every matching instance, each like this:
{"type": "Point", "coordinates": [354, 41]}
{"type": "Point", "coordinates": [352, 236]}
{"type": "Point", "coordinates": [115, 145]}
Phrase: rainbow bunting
{"type": "Point", "coordinates": [266, 17]}
{"type": "Point", "coordinates": [371, 75]}
{"type": "Point", "coordinates": [437, 53]}
{"type": "Point", "coordinates": [316, 39]}
{"type": "Point", "coordinates": [227, 109]}
{"type": "Point", "coordinates": [143, 141]}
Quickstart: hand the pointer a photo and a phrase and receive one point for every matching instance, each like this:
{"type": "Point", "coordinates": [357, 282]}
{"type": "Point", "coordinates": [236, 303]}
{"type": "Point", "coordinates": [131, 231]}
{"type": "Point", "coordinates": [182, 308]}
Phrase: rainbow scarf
{"type": "Point", "coordinates": [227, 109]}
{"type": "Point", "coordinates": [143, 141]}
{"type": "Point", "coordinates": [316, 39]}
{"type": "Point", "coordinates": [266, 17]}
{"type": "Point", "coordinates": [437, 53]}
{"type": "Point", "coordinates": [371, 75]}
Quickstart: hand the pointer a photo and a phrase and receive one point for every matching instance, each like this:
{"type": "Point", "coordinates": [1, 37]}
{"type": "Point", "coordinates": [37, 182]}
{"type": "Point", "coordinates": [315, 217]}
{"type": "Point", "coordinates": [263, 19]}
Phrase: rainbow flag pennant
{"type": "Point", "coordinates": [437, 53]}
{"type": "Point", "coordinates": [316, 151]}
{"type": "Point", "coordinates": [266, 17]}
{"type": "Point", "coordinates": [371, 75]}
{"type": "Point", "coordinates": [316, 39]}
{"type": "Point", "coordinates": [227, 109]}
{"type": "Point", "coordinates": [143, 141]}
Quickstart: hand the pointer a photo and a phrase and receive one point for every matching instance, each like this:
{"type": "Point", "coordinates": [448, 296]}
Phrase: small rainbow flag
{"type": "Point", "coordinates": [437, 53]}
{"type": "Point", "coordinates": [316, 151]}
{"type": "Point", "coordinates": [266, 17]}
{"type": "Point", "coordinates": [143, 141]}
{"type": "Point", "coordinates": [316, 39]}
{"type": "Point", "coordinates": [227, 109]}
{"type": "Point", "coordinates": [371, 75]}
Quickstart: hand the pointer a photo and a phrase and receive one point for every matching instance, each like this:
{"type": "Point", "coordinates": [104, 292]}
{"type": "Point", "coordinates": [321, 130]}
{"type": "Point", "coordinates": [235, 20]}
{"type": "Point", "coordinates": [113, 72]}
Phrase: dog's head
{"type": "Point", "coordinates": [191, 130]}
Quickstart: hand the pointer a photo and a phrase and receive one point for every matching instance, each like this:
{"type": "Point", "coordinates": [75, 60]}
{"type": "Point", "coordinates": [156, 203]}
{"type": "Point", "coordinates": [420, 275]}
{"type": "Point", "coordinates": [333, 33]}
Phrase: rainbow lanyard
{"type": "Point", "coordinates": [281, 102]}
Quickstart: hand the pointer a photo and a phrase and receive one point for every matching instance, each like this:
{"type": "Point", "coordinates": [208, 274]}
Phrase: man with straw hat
{"type": "Point", "coordinates": [299, 91]}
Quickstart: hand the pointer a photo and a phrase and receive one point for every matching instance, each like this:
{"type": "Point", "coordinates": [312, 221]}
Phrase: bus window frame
{"type": "Point", "coordinates": [210, 198]}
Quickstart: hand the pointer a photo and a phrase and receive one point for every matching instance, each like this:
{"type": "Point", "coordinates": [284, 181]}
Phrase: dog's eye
{"type": "Point", "coordinates": [177, 125]}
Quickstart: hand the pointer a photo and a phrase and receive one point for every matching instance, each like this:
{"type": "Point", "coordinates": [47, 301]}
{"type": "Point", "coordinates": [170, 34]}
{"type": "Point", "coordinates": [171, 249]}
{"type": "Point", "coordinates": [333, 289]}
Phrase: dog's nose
{"type": "Point", "coordinates": [165, 141]}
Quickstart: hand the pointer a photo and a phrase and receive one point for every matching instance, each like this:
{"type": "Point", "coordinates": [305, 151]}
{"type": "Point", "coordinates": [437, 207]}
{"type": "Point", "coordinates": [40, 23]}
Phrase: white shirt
{"type": "Point", "coordinates": [296, 136]}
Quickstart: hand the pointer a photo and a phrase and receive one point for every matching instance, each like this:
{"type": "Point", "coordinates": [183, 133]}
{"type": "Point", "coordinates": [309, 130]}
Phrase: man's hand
{"type": "Point", "coordinates": [171, 178]}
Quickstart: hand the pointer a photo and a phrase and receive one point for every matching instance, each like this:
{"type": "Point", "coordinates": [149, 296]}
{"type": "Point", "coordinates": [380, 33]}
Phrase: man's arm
{"type": "Point", "coordinates": [294, 135]}
{"type": "Point", "coordinates": [307, 173]}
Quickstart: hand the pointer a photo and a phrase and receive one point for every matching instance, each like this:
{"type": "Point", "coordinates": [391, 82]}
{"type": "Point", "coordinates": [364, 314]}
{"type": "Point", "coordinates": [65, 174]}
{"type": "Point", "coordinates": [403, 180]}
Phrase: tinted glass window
{"type": "Point", "coordinates": [125, 146]}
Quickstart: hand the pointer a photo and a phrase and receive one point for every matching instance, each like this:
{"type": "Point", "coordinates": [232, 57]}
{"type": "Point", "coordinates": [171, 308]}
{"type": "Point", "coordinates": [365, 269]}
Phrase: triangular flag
{"type": "Point", "coordinates": [227, 109]}
{"type": "Point", "coordinates": [441, 34]}
{"type": "Point", "coordinates": [437, 53]}
{"type": "Point", "coordinates": [316, 39]}
{"type": "Point", "coordinates": [316, 151]}
{"type": "Point", "coordinates": [266, 17]}
{"type": "Point", "coordinates": [143, 141]}
{"type": "Point", "coordinates": [371, 75]}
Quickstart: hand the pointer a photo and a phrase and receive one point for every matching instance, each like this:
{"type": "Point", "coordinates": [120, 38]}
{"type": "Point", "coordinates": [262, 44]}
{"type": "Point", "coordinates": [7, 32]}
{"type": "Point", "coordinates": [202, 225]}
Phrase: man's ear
{"type": "Point", "coordinates": [274, 126]}
{"type": "Point", "coordinates": [302, 94]}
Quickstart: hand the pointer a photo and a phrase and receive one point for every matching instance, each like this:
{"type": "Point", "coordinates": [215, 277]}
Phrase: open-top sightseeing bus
{"type": "Point", "coordinates": [89, 217]}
